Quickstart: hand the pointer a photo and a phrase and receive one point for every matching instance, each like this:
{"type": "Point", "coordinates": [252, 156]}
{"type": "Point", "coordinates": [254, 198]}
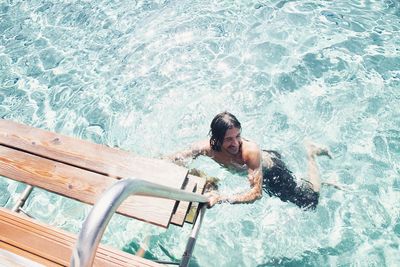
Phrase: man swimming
{"type": "Point", "coordinates": [265, 169]}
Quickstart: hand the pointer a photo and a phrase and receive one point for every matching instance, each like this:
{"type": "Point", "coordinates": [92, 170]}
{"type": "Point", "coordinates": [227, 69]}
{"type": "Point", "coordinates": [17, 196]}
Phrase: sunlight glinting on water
{"type": "Point", "coordinates": [148, 77]}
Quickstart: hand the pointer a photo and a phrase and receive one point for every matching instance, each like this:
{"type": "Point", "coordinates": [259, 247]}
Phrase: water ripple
{"type": "Point", "coordinates": [147, 76]}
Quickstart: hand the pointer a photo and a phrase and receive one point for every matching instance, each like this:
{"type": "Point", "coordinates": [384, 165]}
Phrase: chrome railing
{"type": "Point", "coordinates": [101, 213]}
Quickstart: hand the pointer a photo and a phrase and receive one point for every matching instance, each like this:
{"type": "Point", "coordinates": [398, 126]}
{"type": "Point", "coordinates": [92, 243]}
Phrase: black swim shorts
{"type": "Point", "coordinates": [279, 181]}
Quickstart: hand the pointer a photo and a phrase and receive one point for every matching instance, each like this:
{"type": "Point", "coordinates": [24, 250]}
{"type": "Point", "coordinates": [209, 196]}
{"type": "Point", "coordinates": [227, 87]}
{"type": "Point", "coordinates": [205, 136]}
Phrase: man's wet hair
{"type": "Point", "coordinates": [219, 125]}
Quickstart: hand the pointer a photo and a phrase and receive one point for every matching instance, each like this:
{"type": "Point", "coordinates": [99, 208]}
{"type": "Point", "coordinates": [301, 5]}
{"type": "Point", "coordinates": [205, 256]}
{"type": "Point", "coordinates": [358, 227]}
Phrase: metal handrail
{"type": "Point", "coordinates": [192, 239]}
{"type": "Point", "coordinates": [101, 213]}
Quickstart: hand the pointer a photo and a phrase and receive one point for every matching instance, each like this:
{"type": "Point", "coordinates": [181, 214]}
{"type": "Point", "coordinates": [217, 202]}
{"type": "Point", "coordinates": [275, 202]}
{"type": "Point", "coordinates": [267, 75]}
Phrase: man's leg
{"type": "Point", "coordinates": [314, 150]}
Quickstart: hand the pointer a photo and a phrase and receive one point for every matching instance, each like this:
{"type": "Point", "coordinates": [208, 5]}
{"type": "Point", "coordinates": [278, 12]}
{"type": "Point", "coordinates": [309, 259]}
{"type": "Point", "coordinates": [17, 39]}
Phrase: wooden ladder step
{"type": "Point", "coordinates": [83, 170]}
{"type": "Point", "coordinates": [90, 156]}
{"type": "Point", "coordinates": [53, 247]}
{"type": "Point", "coordinates": [78, 184]}
{"type": "Point", "coordinates": [87, 155]}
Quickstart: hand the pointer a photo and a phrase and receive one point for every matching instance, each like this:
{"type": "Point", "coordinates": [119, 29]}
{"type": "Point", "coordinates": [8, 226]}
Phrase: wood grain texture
{"type": "Point", "coordinates": [87, 155]}
{"type": "Point", "coordinates": [83, 170]}
{"type": "Point", "coordinates": [36, 240]}
{"type": "Point", "coordinates": [79, 184]}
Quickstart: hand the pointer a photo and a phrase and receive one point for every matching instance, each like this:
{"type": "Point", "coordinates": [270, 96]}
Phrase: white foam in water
{"type": "Point", "coordinates": [149, 76]}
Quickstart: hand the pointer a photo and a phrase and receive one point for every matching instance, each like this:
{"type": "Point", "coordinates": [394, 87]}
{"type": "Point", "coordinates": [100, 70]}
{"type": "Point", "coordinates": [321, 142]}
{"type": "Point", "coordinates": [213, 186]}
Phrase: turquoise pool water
{"type": "Point", "coordinates": [148, 76]}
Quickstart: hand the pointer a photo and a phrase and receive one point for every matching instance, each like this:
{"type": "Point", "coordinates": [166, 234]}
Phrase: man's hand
{"type": "Point", "coordinates": [213, 198]}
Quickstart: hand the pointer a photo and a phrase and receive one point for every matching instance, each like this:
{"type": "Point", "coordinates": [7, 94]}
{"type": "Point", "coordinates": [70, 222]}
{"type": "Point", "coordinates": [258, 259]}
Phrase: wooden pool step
{"type": "Point", "coordinates": [49, 246]}
{"type": "Point", "coordinates": [83, 170]}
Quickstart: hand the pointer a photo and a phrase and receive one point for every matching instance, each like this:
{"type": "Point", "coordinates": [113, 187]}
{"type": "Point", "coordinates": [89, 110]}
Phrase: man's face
{"type": "Point", "coordinates": [232, 141]}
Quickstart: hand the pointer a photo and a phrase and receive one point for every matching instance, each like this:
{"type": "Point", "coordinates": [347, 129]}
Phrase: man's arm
{"type": "Point", "coordinates": [184, 157]}
{"type": "Point", "coordinates": [253, 162]}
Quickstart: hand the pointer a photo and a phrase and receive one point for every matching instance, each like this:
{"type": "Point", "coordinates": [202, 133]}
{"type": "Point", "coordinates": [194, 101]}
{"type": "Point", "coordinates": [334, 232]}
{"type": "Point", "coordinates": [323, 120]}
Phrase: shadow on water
{"type": "Point", "coordinates": [134, 247]}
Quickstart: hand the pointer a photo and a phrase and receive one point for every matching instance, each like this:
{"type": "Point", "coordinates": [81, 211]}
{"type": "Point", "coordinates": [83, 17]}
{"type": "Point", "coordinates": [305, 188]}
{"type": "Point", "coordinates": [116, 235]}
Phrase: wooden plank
{"type": "Point", "coordinates": [53, 245]}
{"type": "Point", "coordinates": [178, 218]}
{"type": "Point", "coordinates": [98, 158]}
{"type": "Point", "coordinates": [194, 209]}
{"type": "Point", "coordinates": [79, 184]}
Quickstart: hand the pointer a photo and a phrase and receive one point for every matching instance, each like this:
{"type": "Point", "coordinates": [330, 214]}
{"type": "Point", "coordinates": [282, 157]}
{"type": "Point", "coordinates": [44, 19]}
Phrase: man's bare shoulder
{"type": "Point", "coordinates": [250, 147]}
{"type": "Point", "coordinates": [251, 152]}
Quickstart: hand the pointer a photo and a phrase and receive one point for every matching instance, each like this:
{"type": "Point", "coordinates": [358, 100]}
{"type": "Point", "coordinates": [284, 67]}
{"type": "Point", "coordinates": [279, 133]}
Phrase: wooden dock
{"type": "Point", "coordinates": [81, 170]}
